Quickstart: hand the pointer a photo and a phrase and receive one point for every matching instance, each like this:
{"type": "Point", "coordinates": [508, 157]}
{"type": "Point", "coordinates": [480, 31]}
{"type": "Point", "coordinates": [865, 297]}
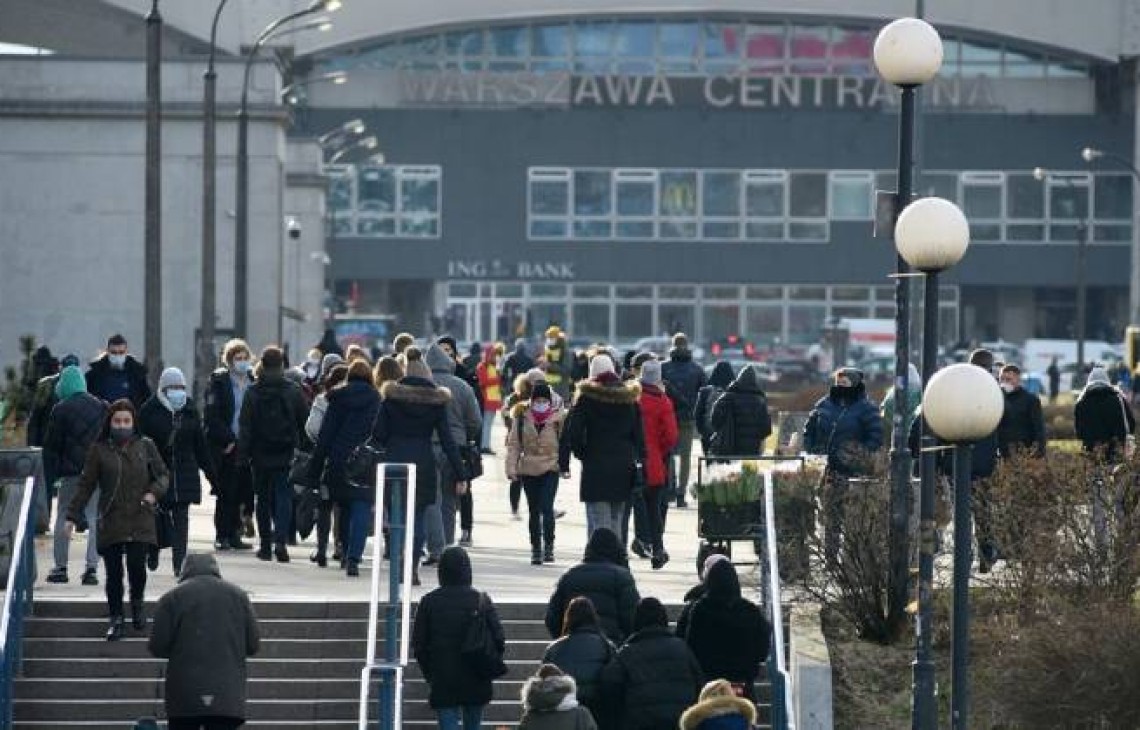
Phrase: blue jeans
{"type": "Point", "coordinates": [488, 424]}
{"type": "Point", "coordinates": [274, 505]}
{"type": "Point", "coordinates": [540, 492]}
{"type": "Point", "coordinates": [359, 514]}
{"type": "Point", "coordinates": [606, 514]}
{"type": "Point", "coordinates": [469, 717]}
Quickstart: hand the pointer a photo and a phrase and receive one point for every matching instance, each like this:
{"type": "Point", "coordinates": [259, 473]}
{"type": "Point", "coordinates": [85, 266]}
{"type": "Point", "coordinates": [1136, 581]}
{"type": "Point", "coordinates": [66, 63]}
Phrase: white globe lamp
{"type": "Point", "coordinates": [908, 52]}
{"type": "Point", "coordinates": [962, 403]}
{"type": "Point", "coordinates": [932, 234]}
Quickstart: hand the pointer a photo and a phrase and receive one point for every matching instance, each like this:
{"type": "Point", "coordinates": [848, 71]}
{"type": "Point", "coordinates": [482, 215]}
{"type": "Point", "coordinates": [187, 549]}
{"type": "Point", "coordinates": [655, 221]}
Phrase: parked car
{"type": "Point", "coordinates": [792, 374]}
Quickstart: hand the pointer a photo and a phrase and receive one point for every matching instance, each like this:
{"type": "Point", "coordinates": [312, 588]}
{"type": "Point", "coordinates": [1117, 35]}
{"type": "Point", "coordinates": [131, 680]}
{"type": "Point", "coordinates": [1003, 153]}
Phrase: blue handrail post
{"type": "Point", "coordinates": [396, 530]}
{"type": "Point", "coordinates": [17, 599]}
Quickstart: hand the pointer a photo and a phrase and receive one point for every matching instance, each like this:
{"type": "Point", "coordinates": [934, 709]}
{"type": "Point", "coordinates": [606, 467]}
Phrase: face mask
{"type": "Point", "coordinates": [541, 407]}
{"type": "Point", "coordinates": [1008, 387]}
{"type": "Point", "coordinates": [121, 435]}
{"type": "Point", "coordinates": [243, 367]}
{"type": "Point", "coordinates": [117, 361]}
{"type": "Point", "coordinates": [177, 399]}
{"type": "Point", "coordinates": [551, 343]}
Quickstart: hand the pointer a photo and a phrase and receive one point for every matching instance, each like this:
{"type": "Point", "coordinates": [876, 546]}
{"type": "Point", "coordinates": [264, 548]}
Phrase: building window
{"type": "Point", "coordinates": [593, 198]}
{"type": "Point", "coordinates": [636, 195]}
{"type": "Point", "coordinates": [765, 204]}
{"type": "Point", "coordinates": [386, 201]}
{"type": "Point", "coordinates": [720, 205]}
{"type": "Point", "coordinates": [807, 196]}
{"type": "Point", "coordinates": [548, 200]}
{"type": "Point", "coordinates": [851, 195]}
{"type": "Point", "coordinates": [677, 205]}
{"type": "Point", "coordinates": [982, 196]}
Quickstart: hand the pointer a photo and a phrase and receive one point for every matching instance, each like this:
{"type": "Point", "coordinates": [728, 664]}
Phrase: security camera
{"type": "Point", "coordinates": [294, 228]}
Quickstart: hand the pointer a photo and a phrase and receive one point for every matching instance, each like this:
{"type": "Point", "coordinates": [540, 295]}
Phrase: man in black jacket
{"type": "Point", "coordinates": [1103, 417]}
{"type": "Point", "coordinates": [272, 427]}
{"type": "Point", "coordinates": [1023, 423]}
{"type": "Point", "coordinates": [117, 374]}
{"type": "Point", "coordinates": [72, 427]}
{"type": "Point", "coordinates": [687, 379]}
{"type": "Point", "coordinates": [603, 576]}
{"type": "Point", "coordinates": [234, 488]}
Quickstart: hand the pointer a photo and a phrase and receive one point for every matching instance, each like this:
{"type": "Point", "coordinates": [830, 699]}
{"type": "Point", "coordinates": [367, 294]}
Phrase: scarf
{"type": "Point", "coordinates": [540, 419]}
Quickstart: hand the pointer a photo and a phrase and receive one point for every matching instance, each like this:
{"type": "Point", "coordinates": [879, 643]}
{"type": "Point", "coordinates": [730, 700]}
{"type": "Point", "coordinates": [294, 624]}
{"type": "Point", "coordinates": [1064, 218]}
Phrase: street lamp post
{"type": "Point", "coordinates": [931, 235]}
{"type": "Point", "coordinates": [241, 222]}
{"type": "Point", "coordinates": [152, 248]}
{"type": "Point", "coordinates": [908, 53]}
{"type": "Point", "coordinates": [1090, 155]}
{"type": "Point", "coordinates": [1084, 229]}
{"type": "Point", "coordinates": [289, 93]}
{"type": "Point", "coordinates": [962, 404]}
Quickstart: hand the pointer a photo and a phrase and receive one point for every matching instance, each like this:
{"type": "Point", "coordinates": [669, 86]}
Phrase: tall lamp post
{"type": "Point", "coordinates": [1091, 155]}
{"type": "Point", "coordinates": [932, 235]}
{"type": "Point", "coordinates": [241, 222]}
{"type": "Point", "coordinates": [1084, 229]}
{"type": "Point", "coordinates": [962, 404]}
{"type": "Point", "coordinates": [908, 53]}
{"type": "Point", "coordinates": [152, 247]}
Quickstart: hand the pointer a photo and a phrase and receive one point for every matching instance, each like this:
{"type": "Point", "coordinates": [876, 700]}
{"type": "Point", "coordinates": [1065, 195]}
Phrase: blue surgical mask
{"type": "Point", "coordinates": [245, 367]}
{"type": "Point", "coordinates": [177, 399]}
{"type": "Point", "coordinates": [117, 361]}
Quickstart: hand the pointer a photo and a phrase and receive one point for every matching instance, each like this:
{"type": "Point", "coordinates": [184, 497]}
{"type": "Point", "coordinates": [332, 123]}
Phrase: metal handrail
{"type": "Point", "coordinates": [394, 666]}
{"type": "Point", "coordinates": [19, 589]}
{"type": "Point", "coordinates": [783, 718]}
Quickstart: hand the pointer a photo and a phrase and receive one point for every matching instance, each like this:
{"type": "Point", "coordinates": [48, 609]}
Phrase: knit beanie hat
{"type": "Point", "coordinates": [710, 561]}
{"type": "Point", "coordinates": [71, 381]}
{"type": "Point", "coordinates": [651, 372]}
{"type": "Point", "coordinates": [600, 365]}
{"type": "Point", "coordinates": [542, 390]}
{"type": "Point", "coordinates": [418, 369]}
{"type": "Point", "coordinates": [1098, 375]}
{"type": "Point", "coordinates": [536, 376]}
{"type": "Point", "coordinates": [327, 363]}
{"type": "Point", "coordinates": [171, 377]}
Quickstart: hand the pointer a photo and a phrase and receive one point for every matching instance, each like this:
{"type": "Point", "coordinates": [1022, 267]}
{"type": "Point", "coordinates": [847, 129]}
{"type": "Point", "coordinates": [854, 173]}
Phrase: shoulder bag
{"type": "Point", "coordinates": [360, 466]}
{"type": "Point", "coordinates": [479, 651]}
{"type": "Point", "coordinates": [1129, 439]}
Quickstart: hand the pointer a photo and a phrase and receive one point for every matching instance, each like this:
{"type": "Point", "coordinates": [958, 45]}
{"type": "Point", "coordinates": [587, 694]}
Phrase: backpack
{"type": "Point", "coordinates": [274, 425]}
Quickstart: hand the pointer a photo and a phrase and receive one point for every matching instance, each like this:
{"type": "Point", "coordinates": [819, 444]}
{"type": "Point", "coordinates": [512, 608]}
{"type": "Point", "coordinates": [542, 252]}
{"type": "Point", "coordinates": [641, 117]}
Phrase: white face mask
{"type": "Point", "coordinates": [540, 407]}
{"type": "Point", "coordinates": [1008, 387]}
{"type": "Point", "coordinates": [117, 361]}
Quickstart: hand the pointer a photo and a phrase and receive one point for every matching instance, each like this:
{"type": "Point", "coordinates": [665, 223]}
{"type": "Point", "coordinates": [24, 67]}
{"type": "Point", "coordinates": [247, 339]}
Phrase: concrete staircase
{"type": "Point", "coordinates": [307, 674]}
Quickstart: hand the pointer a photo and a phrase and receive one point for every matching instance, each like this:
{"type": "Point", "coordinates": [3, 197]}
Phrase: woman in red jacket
{"type": "Point", "coordinates": [660, 425]}
{"type": "Point", "coordinates": [491, 385]}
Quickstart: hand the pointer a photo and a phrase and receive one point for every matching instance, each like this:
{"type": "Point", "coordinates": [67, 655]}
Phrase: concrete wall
{"type": "Point", "coordinates": [72, 142]}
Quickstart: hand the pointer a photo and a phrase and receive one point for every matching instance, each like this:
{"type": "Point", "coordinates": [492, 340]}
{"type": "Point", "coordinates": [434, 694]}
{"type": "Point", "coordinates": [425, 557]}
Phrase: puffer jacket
{"type": "Point", "coordinates": [687, 378]}
{"type": "Point", "coordinates": [532, 451]}
{"type": "Point", "coordinates": [73, 426]}
{"type": "Point", "coordinates": [603, 578]}
{"type": "Point", "coordinates": [740, 419]}
{"type": "Point", "coordinates": [1103, 419]}
{"type": "Point", "coordinates": [653, 679]}
{"type": "Point", "coordinates": [123, 474]}
{"type": "Point", "coordinates": [583, 654]}
{"type": "Point", "coordinates": [182, 444]}
{"type": "Point", "coordinates": [727, 633]}
{"type": "Point", "coordinates": [845, 430]}
{"type": "Point", "coordinates": [551, 704]}
{"type": "Point", "coordinates": [720, 378]}
{"type": "Point", "coordinates": [659, 421]}
{"type": "Point", "coordinates": [604, 431]}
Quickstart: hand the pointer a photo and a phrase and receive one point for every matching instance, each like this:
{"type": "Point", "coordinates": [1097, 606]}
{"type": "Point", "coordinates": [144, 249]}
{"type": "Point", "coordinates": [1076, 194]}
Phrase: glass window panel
{"type": "Point", "coordinates": [884, 294]}
{"type": "Point", "coordinates": [849, 311]}
{"type": "Point", "coordinates": [508, 289]}
{"type": "Point", "coordinates": [721, 229]}
{"type": "Point", "coordinates": [462, 289]}
{"type": "Point", "coordinates": [419, 226]}
{"type": "Point", "coordinates": [808, 194]}
{"type": "Point", "coordinates": [1063, 233]}
{"type": "Point", "coordinates": [548, 228]}
{"type": "Point", "coordinates": [848, 43]}
{"type": "Point", "coordinates": [764, 292]}
{"type": "Point", "coordinates": [592, 291]}
{"type": "Point", "coordinates": [634, 229]}
{"type": "Point", "coordinates": [756, 231]}
{"type": "Point", "coordinates": [1025, 232]}
{"type": "Point", "coordinates": [340, 192]}
{"type": "Point", "coordinates": [634, 321]}
{"type": "Point", "coordinates": [722, 40]}
{"type": "Point", "coordinates": [548, 290]}
{"type": "Point", "coordinates": [810, 293]}
{"type": "Point", "coordinates": [667, 291]}
{"type": "Point", "coordinates": [764, 46]}
{"type": "Point", "coordinates": [678, 229]}
{"type": "Point", "coordinates": [635, 193]}
{"type": "Point", "coordinates": [809, 48]}
{"type": "Point", "coordinates": [510, 41]}
{"type": "Point", "coordinates": [985, 231]}
{"type": "Point", "coordinates": [721, 195]}
{"type": "Point", "coordinates": [637, 68]}
{"type": "Point", "coordinates": [545, 315]}
{"type": "Point", "coordinates": [419, 195]}
{"type": "Point", "coordinates": [593, 39]}
{"type": "Point", "coordinates": [678, 198]}
{"type": "Point", "coordinates": [850, 293]}
{"type": "Point", "coordinates": [947, 294]}
{"type": "Point", "coordinates": [464, 43]}
{"type": "Point", "coordinates": [677, 317]}
{"type": "Point", "coordinates": [851, 196]}
{"type": "Point", "coordinates": [597, 66]}
{"type": "Point", "coordinates": [1112, 233]}
{"type": "Point", "coordinates": [889, 181]}
{"type": "Point", "coordinates": [1068, 201]}
{"type": "Point", "coordinates": [1025, 196]}
{"type": "Point", "coordinates": [938, 184]}
{"type": "Point", "coordinates": [764, 194]}
{"type": "Point", "coordinates": [720, 320]}
{"type": "Point", "coordinates": [634, 291]}
{"type": "Point", "coordinates": [721, 292]}
{"type": "Point", "coordinates": [550, 197]}
{"type": "Point", "coordinates": [1067, 71]}
{"type": "Point", "coordinates": [807, 231]}
{"type": "Point", "coordinates": [633, 39]}
{"type": "Point", "coordinates": [982, 196]}
{"type": "Point", "coordinates": [1023, 65]}
{"type": "Point", "coordinates": [592, 229]}
{"type": "Point", "coordinates": [377, 189]}
{"type": "Point", "coordinates": [805, 322]}
{"type": "Point", "coordinates": [678, 40]}
{"type": "Point", "coordinates": [980, 53]}
{"type": "Point", "coordinates": [592, 321]}
{"type": "Point", "coordinates": [344, 226]}
{"type": "Point", "coordinates": [884, 313]}
{"type": "Point", "coordinates": [592, 192]}
{"type": "Point", "coordinates": [1113, 196]}
{"type": "Point", "coordinates": [550, 40]}
{"type": "Point", "coordinates": [552, 65]}
{"type": "Point", "coordinates": [368, 225]}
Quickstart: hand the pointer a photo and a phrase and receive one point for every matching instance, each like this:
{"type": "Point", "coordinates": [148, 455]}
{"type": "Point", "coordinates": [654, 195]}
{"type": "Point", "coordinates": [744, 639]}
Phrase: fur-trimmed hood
{"type": "Point", "coordinates": [552, 694]}
{"type": "Point", "coordinates": [626, 393]}
{"type": "Point", "coordinates": [417, 391]}
{"type": "Point", "coordinates": [727, 710]}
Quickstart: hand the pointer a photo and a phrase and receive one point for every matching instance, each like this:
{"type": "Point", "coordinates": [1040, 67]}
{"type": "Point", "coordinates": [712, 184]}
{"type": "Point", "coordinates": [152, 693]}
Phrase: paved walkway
{"type": "Point", "coordinates": [501, 555]}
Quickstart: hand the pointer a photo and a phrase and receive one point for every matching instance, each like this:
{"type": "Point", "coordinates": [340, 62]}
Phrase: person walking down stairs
{"type": "Point", "coordinates": [550, 702]}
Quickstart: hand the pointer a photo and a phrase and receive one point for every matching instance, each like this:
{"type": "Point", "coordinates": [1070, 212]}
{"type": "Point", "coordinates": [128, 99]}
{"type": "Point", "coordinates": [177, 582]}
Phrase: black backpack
{"type": "Point", "coordinates": [274, 424]}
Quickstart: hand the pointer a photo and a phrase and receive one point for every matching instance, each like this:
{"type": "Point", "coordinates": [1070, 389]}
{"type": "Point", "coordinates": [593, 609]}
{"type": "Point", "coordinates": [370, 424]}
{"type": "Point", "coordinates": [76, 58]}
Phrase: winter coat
{"type": "Point", "coordinates": [983, 454]}
{"type": "Point", "coordinates": [516, 364]}
{"type": "Point", "coordinates": [552, 704]}
{"type": "Point", "coordinates": [727, 633]}
{"type": "Point", "coordinates": [1103, 420]}
{"type": "Point", "coordinates": [1022, 424]}
{"type": "Point", "coordinates": [659, 422]}
{"type": "Point", "coordinates": [536, 452]}
{"type": "Point", "coordinates": [182, 444]}
{"type": "Point", "coordinates": [440, 626]}
{"type": "Point", "coordinates": [687, 378]}
{"type": "Point", "coordinates": [603, 578]}
{"type": "Point", "coordinates": [691, 596]}
{"type": "Point", "coordinates": [206, 627]}
{"type": "Point", "coordinates": [721, 712]}
{"type": "Point", "coordinates": [220, 408]}
{"type": "Point", "coordinates": [604, 431]}
{"type": "Point", "coordinates": [653, 679]}
{"type": "Point", "coordinates": [43, 401]}
{"type": "Point", "coordinates": [347, 423]}
{"type": "Point", "coordinates": [583, 654]}
{"type": "Point", "coordinates": [913, 401]}
{"type": "Point", "coordinates": [742, 412]}
{"type": "Point", "coordinates": [413, 411]}
{"type": "Point", "coordinates": [72, 427]}
{"type": "Point", "coordinates": [490, 381]}
{"type": "Point", "coordinates": [845, 430]}
{"type": "Point", "coordinates": [123, 475]}
{"type": "Point", "coordinates": [102, 378]}
{"type": "Point", "coordinates": [253, 421]}
{"type": "Point", "coordinates": [720, 379]}
{"type": "Point", "coordinates": [559, 361]}
{"type": "Point", "coordinates": [464, 417]}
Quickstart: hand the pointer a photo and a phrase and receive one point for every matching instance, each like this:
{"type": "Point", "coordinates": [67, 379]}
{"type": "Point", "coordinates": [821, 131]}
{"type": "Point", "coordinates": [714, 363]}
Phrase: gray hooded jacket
{"type": "Point", "coordinates": [464, 416]}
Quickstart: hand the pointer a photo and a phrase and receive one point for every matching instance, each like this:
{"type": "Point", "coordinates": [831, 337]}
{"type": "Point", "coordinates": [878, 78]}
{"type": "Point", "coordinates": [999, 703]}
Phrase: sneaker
{"type": "Point", "coordinates": [352, 569]}
{"type": "Point", "coordinates": [281, 553]}
{"type": "Point", "coordinates": [536, 557]}
{"type": "Point", "coordinates": [57, 575]}
{"type": "Point", "coordinates": [152, 559]}
{"type": "Point", "coordinates": [320, 559]}
{"type": "Point", "coordinates": [221, 545]}
{"type": "Point", "coordinates": [465, 539]}
{"type": "Point", "coordinates": [516, 516]}
{"type": "Point", "coordinates": [639, 549]}
{"type": "Point", "coordinates": [90, 577]}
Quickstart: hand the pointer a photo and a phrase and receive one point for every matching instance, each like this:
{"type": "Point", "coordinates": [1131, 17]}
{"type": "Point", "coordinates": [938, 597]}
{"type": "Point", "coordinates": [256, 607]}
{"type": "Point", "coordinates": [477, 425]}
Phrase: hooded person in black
{"type": "Point", "coordinates": [726, 632]}
{"type": "Point", "coordinates": [740, 419]}
{"type": "Point", "coordinates": [1103, 417]}
{"type": "Point", "coordinates": [603, 577]}
{"type": "Point", "coordinates": [719, 380]}
{"type": "Point", "coordinates": [437, 637]}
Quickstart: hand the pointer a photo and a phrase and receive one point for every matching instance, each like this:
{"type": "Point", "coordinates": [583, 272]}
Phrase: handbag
{"type": "Point", "coordinates": [163, 526]}
{"type": "Point", "coordinates": [299, 468]}
{"type": "Point", "coordinates": [360, 466]}
{"type": "Point", "coordinates": [306, 511]}
{"type": "Point", "coordinates": [479, 650]}
{"type": "Point", "coordinates": [472, 458]}
{"type": "Point", "coordinates": [1129, 439]}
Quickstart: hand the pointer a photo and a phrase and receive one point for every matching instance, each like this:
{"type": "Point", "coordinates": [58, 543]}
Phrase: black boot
{"type": "Point", "coordinates": [265, 552]}
{"type": "Point", "coordinates": [548, 553]}
{"type": "Point", "coordinates": [115, 629]}
{"type": "Point", "coordinates": [138, 615]}
{"type": "Point", "coordinates": [352, 568]}
{"type": "Point", "coordinates": [535, 555]}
